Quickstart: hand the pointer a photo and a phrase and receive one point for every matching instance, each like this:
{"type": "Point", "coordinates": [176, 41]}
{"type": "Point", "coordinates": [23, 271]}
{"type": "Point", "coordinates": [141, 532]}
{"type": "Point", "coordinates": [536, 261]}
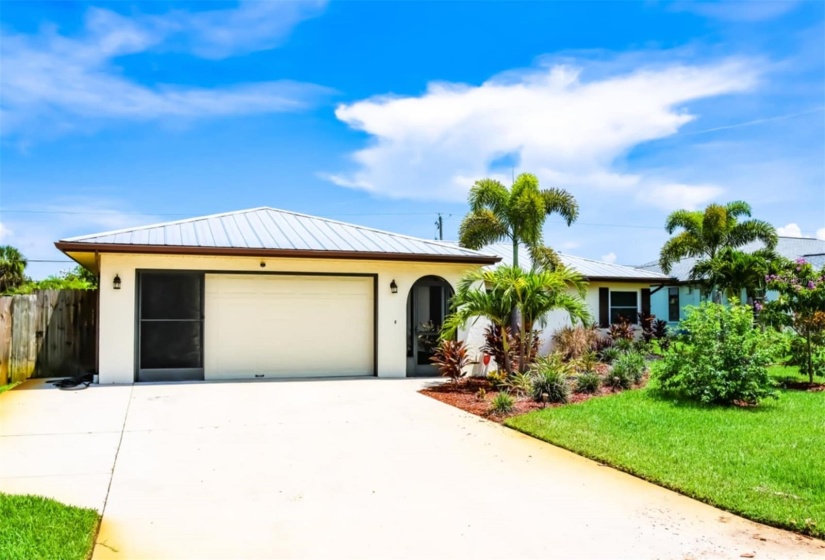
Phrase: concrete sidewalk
{"type": "Point", "coordinates": [344, 469]}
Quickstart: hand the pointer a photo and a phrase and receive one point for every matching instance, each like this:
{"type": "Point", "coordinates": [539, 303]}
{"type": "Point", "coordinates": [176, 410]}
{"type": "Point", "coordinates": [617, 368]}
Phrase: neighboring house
{"type": "Point", "coordinates": [670, 302]}
{"type": "Point", "coordinates": [613, 290]}
{"type": "Point", "coordinates": [267, 293]}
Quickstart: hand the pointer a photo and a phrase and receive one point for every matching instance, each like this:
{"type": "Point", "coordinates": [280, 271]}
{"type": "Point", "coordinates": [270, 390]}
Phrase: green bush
{"type": "Point", "coordinates": [722, 358]}
{"type": "Point", "coordinates": [550, 375]}
{"type": "Point", "coordinates": [619, 378]}
{"type": "Point", "coordinates": [503, 403]}
{"type": "Point", "coordinates": [609, 355]}
{"type": "Point", "coordinates": [624, 345]}
{"type": "Point", "coordinates": [588, 382]}
{"type": "Point", "coordinates": [520, 384]}
{"type": "Point", "coordinates": [630, 365]}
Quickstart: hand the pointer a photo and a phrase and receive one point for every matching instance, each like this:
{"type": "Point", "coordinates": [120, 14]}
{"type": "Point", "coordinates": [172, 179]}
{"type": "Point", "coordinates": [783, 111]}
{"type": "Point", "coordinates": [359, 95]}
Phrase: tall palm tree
{"type": "Point", "coordinates": [705, 233]}
{"type": "Point", "coordinates": [735, 271]}
{"type": "Point", "coordinates": [12, 268]}
{"type": "Point", "coordinates": [516, 214]}
{"type": "Point", "coordinates": [493, 293]}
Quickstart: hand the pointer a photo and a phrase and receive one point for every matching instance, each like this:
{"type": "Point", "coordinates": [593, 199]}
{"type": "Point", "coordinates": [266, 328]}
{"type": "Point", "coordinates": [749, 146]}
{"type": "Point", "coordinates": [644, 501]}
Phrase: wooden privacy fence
{"type": "Point", "coordinates": [50, 333]}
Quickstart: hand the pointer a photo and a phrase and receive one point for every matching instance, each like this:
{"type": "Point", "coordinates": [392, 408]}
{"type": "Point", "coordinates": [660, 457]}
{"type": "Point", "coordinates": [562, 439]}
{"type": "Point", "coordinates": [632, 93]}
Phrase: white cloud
{"type": "Point", "coordinates": [5, 234]}
{"type": "Point", "coordinates": [790, 230]}
{"type": "Point", "coordinates": [609, 258]}
{"type": "Point", "coordinates": [569, 130]}
{"type": "Point", "coordinates": [54, 82]}
{"type": "Point", "coordinates": [820, 233]}
{"type": "Point", "coordinates": [674, 196]}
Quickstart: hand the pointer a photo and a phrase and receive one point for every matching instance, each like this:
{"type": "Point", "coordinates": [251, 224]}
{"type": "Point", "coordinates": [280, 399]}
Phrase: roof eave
{"type": "Point", "coordinates": [629, 279]}
{"type": "Point", "coordinates": [73, 246]}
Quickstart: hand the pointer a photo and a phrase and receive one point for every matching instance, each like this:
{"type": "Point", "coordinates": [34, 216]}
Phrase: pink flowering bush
{"type": "Point", "coordinates": [800, 306]}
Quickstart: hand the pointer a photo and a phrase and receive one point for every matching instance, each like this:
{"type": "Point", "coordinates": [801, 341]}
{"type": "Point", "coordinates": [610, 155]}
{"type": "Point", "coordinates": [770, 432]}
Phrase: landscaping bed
{"type": "Point", "coordinates": [763, 463]}
{"type": "Point", "coordinates": [36, 527]}
{"type": "Point", "coordinates": [464, 395]}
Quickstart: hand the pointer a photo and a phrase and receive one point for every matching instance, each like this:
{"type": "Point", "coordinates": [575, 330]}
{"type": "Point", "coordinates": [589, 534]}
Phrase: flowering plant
{"type": "Point", "coordinates": [800, 306]}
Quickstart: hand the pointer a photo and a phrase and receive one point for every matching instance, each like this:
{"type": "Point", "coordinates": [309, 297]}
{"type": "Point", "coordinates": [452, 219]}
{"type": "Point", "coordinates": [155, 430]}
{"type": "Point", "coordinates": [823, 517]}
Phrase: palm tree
{"type": "Point", "coordinates": [735, 271]}
{"type": "Point", "coordinates": [516, 214]}
{"type": "Point", "coordinates": [705, 233]}
{"type": "Point", "coordinates": [493, 293]}
{"type": "Point", "coordinates": [12, 268]}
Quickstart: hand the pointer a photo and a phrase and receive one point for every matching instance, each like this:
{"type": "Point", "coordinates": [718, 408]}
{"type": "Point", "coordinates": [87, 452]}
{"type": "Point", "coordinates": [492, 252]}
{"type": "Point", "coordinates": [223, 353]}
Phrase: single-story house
{"type": "Point", "coordinates": [267, 293]}
{"type": "Point", "coordinates": [613, 290]}
{"type": "Point", "coordinates": [670, 302]}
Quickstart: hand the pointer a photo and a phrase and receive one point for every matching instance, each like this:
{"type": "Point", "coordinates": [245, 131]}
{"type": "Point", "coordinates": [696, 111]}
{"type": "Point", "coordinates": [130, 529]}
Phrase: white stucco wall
{"type": "Point", "coordinates": [118, 307]}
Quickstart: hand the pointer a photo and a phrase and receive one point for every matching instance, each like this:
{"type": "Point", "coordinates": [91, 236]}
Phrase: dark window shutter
{"type": "Point", "coordinates": [604, 307]}
{"type": "Point", "coordinates": [645, 301]}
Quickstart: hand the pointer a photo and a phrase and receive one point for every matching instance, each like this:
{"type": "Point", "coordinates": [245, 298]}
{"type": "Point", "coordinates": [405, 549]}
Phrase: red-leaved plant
{"type": "Point", "coordinates": [451, 358]}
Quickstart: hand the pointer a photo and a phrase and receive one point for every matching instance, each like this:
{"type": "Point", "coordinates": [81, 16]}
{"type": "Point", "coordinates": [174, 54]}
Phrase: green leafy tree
{"type": "Point", "coordinates": [493, 293]}
{"type": "Point", "coordinates": [800, 306]}
{"type": "Point", "coordinates": [12, 268]}
{"type": "Point", "coordinates": [733, 272]}
{"type": "Point", "coordinates": [705, 233]}
{"type": "Point", "coordinates": [517, 215]}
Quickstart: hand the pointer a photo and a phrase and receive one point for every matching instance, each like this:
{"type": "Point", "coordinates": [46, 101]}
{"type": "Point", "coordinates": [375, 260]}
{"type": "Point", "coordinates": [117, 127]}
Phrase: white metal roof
{"type": "Point", "coordinates": [588, 268]}
{"type": "Point", "coordinates": [789, 247]}
{"type": "Point", "coordinates": [263, 229]}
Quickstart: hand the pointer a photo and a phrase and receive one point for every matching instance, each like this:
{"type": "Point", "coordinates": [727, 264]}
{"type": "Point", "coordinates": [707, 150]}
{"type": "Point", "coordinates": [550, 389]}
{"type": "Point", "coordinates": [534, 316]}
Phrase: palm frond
{"type": "Point", "coordinates": [688, 220]}
{"type": "Point", "coordinates": [561, 202]}
{"type": "Point", "coordinates": [481, 227]}
{"type": "Point", "coordinates": [752, 230]}
{"type": "Point", "coordinates": [738, 208]}
{"type": "Point", "coordinates": [678, 247]}
{"type": "Point", "coordinates": [489, 194]}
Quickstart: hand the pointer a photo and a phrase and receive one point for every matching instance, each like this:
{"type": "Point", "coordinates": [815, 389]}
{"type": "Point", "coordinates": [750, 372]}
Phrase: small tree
{"type": "Point", "coordinates": [12, 268]}
{"type": "Point", "coordinates": [800, 306]}
{"type": "Point", "coordinates": [490, 294]}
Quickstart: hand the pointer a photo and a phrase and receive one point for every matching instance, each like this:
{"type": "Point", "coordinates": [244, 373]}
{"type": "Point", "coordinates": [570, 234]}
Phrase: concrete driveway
{"type": "Point", "coordinates": [340, 469]}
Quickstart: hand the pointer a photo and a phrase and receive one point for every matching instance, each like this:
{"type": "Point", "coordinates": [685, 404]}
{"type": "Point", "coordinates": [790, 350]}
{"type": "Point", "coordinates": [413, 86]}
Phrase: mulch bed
{"type": "Point", "coordinates": [463, 395]}
{"type": "Point", "coordinates": [803, 385]}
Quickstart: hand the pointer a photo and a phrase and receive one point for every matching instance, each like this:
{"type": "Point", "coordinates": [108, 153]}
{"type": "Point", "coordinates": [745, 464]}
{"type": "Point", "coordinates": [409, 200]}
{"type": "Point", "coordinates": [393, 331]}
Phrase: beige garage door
{"type": "Point", "coordinates": [287, 326]}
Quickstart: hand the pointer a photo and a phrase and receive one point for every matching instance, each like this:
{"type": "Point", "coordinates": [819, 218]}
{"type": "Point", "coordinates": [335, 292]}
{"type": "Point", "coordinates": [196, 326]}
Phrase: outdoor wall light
{"type": "Point", "coordinates": [116, 283]}
{"type": "Point", "coordinates": [393, 287]}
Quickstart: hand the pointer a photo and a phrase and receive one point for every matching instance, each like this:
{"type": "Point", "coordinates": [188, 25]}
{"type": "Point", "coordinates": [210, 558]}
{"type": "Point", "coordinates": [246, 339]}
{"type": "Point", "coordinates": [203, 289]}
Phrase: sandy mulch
{"type": "Point", "coordinates": [464, 395]}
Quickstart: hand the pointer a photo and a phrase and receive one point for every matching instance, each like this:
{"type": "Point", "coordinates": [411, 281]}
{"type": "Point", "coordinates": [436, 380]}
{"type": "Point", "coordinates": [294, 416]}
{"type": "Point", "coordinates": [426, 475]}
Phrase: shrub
{"type": "Point", "coordinates": [609, 355]}
{"type": "Point", "coordinates": [721, 359]}
{"type": "Point", "coordinates": [481, 394]}
{"type": "Point", "coordinates": [601, 343]}
{"type": "Point", "coordinates": [451, 358]}
{"type": "Point", "coordinates": [619, 378]}
{"type": "Point", "coordinates": [587, 362]}
{"type": "Point", "coordinates": [494, 344]}
{"type": "Point", "coordinates": [661, 334]}
{"type": "Point", "coordinates": [623, 330]}
{"type": "Point", "coordinates": [630, 365]}
{"type": "Point", "coordinates": [588, 383]}
{"type": "Point", "coordinates": [497, 379]}
{"type": "Point", "coordinates": [573, 342]}
{"type": "Point", "coordinates": [520, 384]}
{"type": "Point", "coordinates": [624, 345]}
{"type": "Point", "coordinates": [550, 376]}
{"type": "Point", "coordinates": [502, 403]}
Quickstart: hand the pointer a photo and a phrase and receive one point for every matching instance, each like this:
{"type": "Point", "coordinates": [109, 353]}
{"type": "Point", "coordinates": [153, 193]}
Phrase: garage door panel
{"type": "Point", "coordinates": [288, 326]}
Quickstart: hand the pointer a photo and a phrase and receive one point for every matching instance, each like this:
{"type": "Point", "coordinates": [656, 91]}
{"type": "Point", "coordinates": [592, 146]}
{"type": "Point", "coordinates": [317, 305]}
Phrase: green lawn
{"type": "Point", "coordinates": [35, 527]}
{"type": "Point", "coordinates": [763, 463]}
{"type": "Point", "coordinates": [4, 388]}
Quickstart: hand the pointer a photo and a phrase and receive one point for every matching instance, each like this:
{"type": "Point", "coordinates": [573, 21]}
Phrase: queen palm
{"type": "Point", "coordinates": [705, 233]}
{"type": "Point", "coordinates": [12, 268]}
{"type": "Point", "coordinates": [493, 293]}
{"type": "Point", "coordinates": [516, 214]}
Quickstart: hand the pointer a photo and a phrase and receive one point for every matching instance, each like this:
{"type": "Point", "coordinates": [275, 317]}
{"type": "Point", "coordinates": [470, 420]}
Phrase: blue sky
{"type": "Point", "coordinates": [384, 113]}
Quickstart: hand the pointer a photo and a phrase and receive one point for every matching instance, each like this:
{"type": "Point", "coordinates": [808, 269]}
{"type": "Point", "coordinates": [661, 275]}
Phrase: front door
{"type": "Point", "coordinates": [427, 306]}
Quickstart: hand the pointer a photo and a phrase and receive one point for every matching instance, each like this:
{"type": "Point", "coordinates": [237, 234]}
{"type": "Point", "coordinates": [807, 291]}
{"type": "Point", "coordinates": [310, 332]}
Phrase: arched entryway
{"type": "Point", "coordinates": [427, 306]}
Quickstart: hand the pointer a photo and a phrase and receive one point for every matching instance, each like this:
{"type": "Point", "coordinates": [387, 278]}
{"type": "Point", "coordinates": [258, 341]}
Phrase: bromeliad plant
{"type": "Point", "coordinates": [451, 358]}
{"type": "Point", "coordinates": [800, 306]}
{"type": "Point", "coordinates": [493, 293]}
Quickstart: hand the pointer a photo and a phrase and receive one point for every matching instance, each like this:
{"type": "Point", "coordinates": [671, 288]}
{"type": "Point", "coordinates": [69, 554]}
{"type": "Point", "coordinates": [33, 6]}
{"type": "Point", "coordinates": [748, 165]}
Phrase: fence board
{"type": "Point", "coordinates": [5, 339]}
{"type": "Point", "coordinates": [50, 333]}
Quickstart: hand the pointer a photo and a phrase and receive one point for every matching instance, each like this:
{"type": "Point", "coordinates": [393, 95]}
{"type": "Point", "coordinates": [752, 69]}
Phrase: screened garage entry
{"type": "Point", "coordinates": [284, 325]}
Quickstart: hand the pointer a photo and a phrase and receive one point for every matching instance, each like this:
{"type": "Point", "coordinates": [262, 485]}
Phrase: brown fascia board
{"type": "Point", "coordinates": [70, 246]}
